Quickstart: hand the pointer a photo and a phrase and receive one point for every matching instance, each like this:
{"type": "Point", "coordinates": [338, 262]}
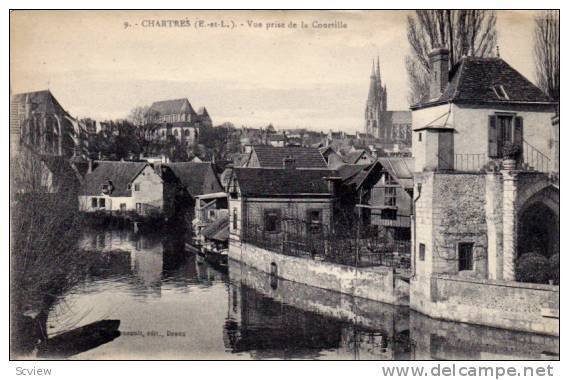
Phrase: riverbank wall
{"type": "Point", "coordinates": [377, 283]}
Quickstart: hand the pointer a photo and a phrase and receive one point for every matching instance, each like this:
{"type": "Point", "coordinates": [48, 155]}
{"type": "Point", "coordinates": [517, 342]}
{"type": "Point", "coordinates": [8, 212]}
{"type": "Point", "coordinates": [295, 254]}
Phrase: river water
{"type": "Point", "coordinates": [171, 305]}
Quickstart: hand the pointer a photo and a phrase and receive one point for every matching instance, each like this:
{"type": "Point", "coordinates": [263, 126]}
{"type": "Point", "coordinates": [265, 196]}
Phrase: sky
{"type": "Point", "coordinates": [102, 64]}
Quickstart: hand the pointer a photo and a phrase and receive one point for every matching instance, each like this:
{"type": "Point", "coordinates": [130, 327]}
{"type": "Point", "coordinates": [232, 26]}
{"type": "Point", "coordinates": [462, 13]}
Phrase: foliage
{"type": "Point", "coordinates": [137, 116]}
{"type": "Point", "coordinates": [45, 225]}
{"type": "Point", "coordinates": [117, 140]}
{"type": "Point", "coordinates": [220, 142]}
{"type": "Point", "coordinates": [546, 52]}
{"type": "Point", "coordinates": [511, 151]}
{"type": "Point", "coordinates": [463, 32]}
{"type": "Point", "coordinates": [554, 267]}
{"type": "Point", "coordinates": [532, 267]}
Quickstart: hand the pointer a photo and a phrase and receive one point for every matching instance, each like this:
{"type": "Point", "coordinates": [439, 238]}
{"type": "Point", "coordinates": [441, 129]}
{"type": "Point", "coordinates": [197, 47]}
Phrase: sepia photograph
{"type": "Point", "coordinates": [284, 185]}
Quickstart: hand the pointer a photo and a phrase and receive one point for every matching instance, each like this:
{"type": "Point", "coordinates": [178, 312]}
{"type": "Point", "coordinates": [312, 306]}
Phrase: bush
{"type": "Point", "coordinates": [532, 267]}
{"type": "Point", "coordinates": [511, 151]}
{"type": "Point", "coordinates": [554, 268]}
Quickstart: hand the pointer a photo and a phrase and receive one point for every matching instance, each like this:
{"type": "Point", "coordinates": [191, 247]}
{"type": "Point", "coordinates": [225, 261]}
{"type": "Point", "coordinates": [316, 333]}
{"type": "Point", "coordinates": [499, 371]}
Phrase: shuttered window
{"type": "Point", "coordinates": [504, 129]}
{"type": "Point", "coordinates": [492, 137]}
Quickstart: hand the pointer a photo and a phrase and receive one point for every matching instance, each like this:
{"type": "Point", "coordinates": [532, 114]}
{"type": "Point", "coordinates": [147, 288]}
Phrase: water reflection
{"type": "Point", "coordinates": [171, 305]}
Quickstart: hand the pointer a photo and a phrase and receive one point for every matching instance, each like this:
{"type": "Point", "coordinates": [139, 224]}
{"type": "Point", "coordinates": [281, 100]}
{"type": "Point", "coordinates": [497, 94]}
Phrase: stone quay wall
{"type": "Point", "coordinates": [377, 283]}
{"type": "Point", "coordinates": [503, 304]}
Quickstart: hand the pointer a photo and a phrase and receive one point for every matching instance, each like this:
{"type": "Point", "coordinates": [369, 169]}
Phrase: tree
{"type": "Point", "coordinates": [546, 52]}
{"type": "Point", "coordinates": [138, 115]}
{"type": "Point", "coordinates": [44, 227]}
{"type": "Point", "coordinates": [463, 32]}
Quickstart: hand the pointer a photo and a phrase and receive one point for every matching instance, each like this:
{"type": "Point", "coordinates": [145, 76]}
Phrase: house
{"type": "Point", "coordinates": [483, 104]}
{"type": "Point", "coordinates": [123, 187]}
{"type": "Point", "coordinates": [484, 195]}
{"type": "Point", "coordinates": [358, 156]}
{"type": "Point", "coordinates": [387, 196]}
{"type": "Point", "coordinates": [208, 208]}
{"type": "Point", "coordinates": [333, 159]}
{"type": "Point", "coordinates": [266, 156]}
{"type": "Point", "coordinates": [192, 180]}
{"type": "Point", "coordinates": [266, 201]}
{"type": "Point", "coordinates": [277, 140]}
{"type": "Point", "coordinates": [175, 118]}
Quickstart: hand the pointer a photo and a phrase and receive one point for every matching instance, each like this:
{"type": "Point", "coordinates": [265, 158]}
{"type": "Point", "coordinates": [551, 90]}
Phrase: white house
{"type": "Point", "coordinates": [116, 186]}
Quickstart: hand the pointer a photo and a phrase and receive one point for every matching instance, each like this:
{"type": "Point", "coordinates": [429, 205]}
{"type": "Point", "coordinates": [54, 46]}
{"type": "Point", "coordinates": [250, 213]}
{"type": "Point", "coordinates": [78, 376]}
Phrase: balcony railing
{"type": "Point", "coordinates": [470, 162]}
{"type": "Point", "coordinates": [531, 160]}
{"type": "Point", "coordinates": [535, 159]}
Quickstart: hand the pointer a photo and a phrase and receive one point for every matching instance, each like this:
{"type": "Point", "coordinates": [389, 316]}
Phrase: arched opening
{"type": "Point", "coordinates": [538, 229]}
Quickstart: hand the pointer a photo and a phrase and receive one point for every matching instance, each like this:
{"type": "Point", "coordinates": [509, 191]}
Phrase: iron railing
{"type": "Point", "coordinates": [354, 248]}
{"type": "Point", "coordinates": [470, 162]}
{"type": "Point", "coordinates": [535, 159]}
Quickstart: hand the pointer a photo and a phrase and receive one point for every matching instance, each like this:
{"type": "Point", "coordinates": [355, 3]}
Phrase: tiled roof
{"type": "Point", "coordinates": [353, 157]}
{"type": "Point", "coordinates": [42, 101]}
{"type": "Point", "coordinates": [347, 171]}
{"type": "Point", "coordinates": [272, 157]}
{"type": "Point", "coordinates": [400, 168]}
{"type": "Point", "coordinates": [170, 107]}
{"type": "Point", "coordinates": [118, 172]}
{"type": "Point", "coordinates": [197, 177]}
{"type": "Point", "coordinates": [475, 80]}
{"type": "Point", "coordinates": [218, 229]}
{"type": "Point", "coordinates": [273, 182]}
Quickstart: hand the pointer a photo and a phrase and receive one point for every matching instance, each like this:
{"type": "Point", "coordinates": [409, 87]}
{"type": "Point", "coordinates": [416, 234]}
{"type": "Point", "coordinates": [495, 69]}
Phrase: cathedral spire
{"type": "Point", "coordinates": [378, 73]}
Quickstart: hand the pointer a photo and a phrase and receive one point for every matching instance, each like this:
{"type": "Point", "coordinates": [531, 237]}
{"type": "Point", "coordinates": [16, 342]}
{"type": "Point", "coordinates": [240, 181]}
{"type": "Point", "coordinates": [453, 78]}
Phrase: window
{"type": "Point", "coordinates": [272, 220]}
{"type": "Point", "coordinates": [500, 92]}
{"type": "Point", "coordinates": [422, 252]}
{"type": "Point", "coordinates": [388, 214]}
{"type": "Point", "coordinates": [93, 202]}
{"type": "Point", "coordinates": [137, 187]}
{"type": "Point", "coordinates": [235, 225]}
{"type": "Point", "coordinates": [175, 132]}
{"type": "Point", "coordinates": [504, 129]}
{"type": "Point", "coordinates": [465, 251]}
{"type": "Point", "coordinates": [212, 213]}
{"type": "Point", "coordinates": [102, 203]}
{"type": "Point", "coordinates": [420, 136]}
{"type": "Point", "coordinates": [314, 218]}
{"type": "Point", "coordinates": [123, 207]}
{"type": "Point", "coordinates": [390, 196]}
{"type": "Point", "coordinates": [187, 132]}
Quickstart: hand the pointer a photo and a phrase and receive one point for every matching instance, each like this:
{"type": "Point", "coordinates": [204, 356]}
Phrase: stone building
{"type": "Point", "coordinates": [263, 199]}
{"type": "Point", "coordinates": [175, 118]}
{"type": "Point", "coordinates": [39, 123]}
{"type": "Point", "coordinates": [391, 128]}
{"type": "Point", "coordinates": [478, 206]}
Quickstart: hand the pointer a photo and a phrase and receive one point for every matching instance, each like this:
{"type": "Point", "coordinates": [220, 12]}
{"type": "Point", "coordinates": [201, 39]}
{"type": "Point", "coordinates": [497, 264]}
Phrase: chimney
{"type": "Point", "coordinates": [289, 163]}
{"type": "Point", "coordinates": [438, 59]}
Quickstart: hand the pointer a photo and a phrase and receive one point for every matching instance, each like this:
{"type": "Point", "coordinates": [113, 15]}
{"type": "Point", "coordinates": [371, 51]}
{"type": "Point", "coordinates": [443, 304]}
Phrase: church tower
{"type": "Point", "coordinates": [376, 101]}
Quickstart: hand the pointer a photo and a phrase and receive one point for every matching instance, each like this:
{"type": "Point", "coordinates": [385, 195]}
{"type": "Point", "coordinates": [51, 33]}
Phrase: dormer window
{"type": "Point", "coordinates": [500, 92]}
{"type": "Point", "coordinates": [107, 187]}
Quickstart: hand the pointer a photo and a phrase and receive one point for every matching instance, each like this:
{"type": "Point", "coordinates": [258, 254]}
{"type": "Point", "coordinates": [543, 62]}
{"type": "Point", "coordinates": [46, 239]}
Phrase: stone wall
{"type": "Point", "coordinates": [504, 304]}
{"type": "Point", "coordinates": [436, 339]}
{"type": "Point", "coordinates": [366, 313]}
{"type": "Point", "coordinates": [377, 283]}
